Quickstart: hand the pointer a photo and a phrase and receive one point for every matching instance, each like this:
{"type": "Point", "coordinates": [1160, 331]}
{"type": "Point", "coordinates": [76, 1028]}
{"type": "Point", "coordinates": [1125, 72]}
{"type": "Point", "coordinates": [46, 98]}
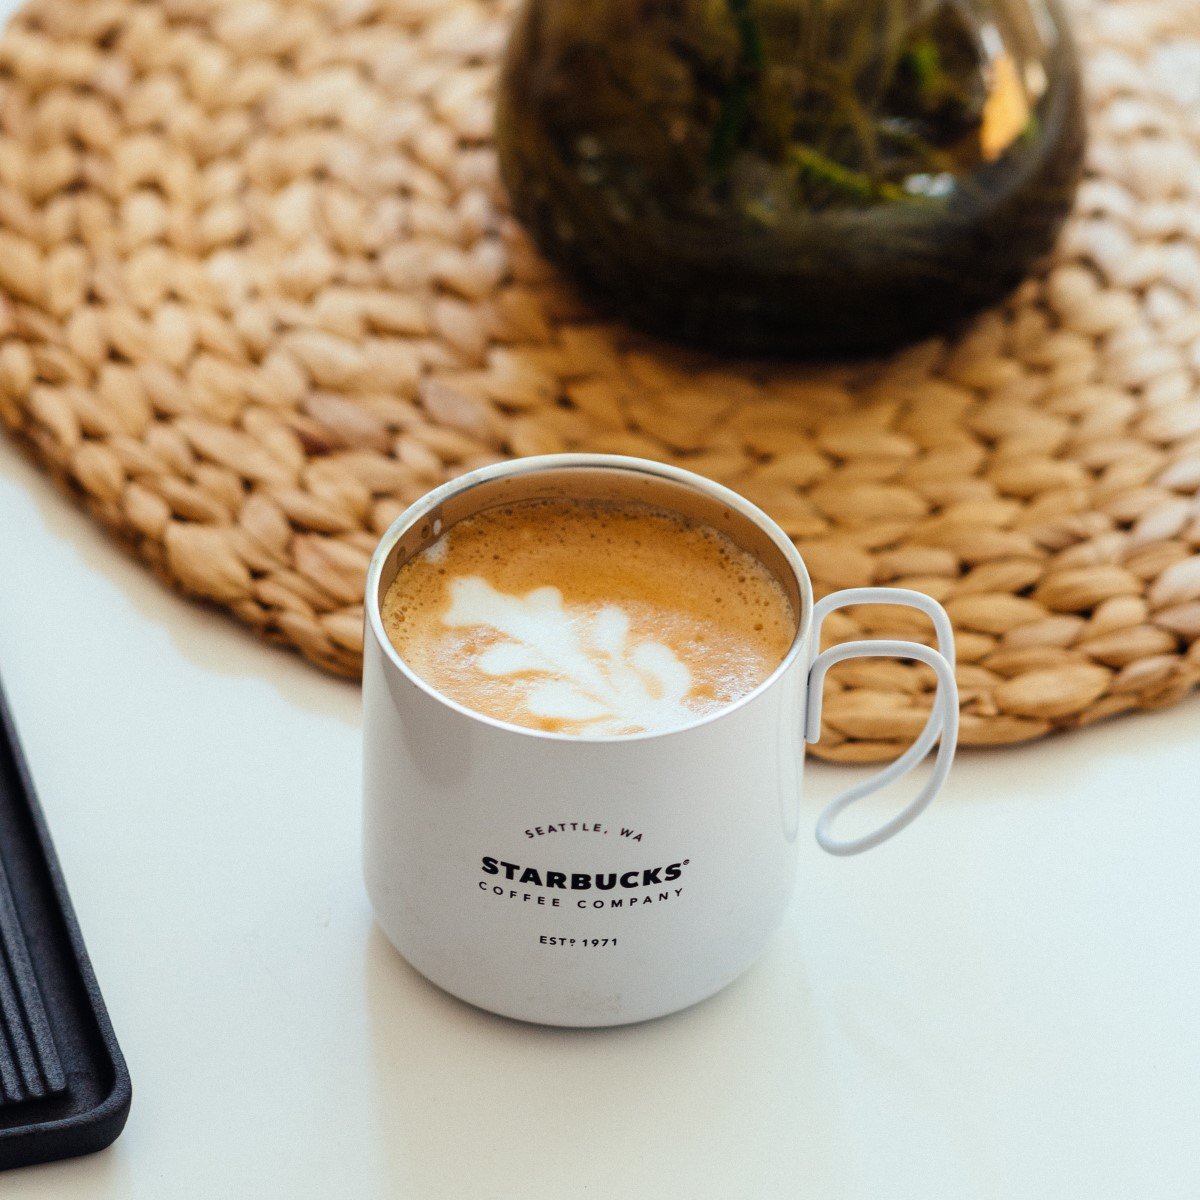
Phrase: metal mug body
{"type": "Point", "coordinates": [578, 881]}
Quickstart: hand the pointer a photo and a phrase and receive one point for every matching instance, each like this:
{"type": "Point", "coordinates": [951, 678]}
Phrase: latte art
{"type": "Point", "coordinates": [573, 665]}
{"type": "Point", "coordinates": [588, 618]}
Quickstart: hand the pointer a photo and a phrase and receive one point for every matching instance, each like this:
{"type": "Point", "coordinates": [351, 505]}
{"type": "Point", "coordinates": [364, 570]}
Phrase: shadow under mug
{"type": "Point", "coordinates": [593, 881]}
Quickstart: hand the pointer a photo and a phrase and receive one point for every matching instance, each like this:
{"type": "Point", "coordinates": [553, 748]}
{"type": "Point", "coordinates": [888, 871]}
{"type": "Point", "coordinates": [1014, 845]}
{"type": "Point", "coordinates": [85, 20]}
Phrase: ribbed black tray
{"type": "Point", "coordinates": [64, 1089]}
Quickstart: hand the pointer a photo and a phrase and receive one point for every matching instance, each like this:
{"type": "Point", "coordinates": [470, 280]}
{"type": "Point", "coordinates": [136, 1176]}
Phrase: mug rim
{"type": "Point", "coordinates": [534, 464]}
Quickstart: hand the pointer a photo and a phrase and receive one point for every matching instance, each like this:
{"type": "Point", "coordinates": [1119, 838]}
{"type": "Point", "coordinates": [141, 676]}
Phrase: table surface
{"type": "Point", "coordinates": [1002, 1002]}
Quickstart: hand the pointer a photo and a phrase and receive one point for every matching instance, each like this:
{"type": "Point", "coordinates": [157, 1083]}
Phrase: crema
{"type": "Point", "coordinates": [589, 618]}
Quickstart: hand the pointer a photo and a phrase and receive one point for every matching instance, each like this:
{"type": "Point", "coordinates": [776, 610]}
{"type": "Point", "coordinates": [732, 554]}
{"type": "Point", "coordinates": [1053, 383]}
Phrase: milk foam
{"type": "Point", "coordinates": [573, 663]}
{"type": "Point", "coordinates": [588, 618]}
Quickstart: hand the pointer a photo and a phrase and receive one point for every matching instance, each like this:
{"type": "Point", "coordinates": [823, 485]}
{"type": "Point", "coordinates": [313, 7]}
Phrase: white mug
{"type": "Point", "coordinates": [595, 881]}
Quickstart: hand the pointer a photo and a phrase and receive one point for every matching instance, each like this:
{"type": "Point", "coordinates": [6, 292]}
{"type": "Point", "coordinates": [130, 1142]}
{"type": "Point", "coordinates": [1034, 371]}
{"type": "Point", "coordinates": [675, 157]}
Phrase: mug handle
{"type": "Point", "coordinates": [943, 717]}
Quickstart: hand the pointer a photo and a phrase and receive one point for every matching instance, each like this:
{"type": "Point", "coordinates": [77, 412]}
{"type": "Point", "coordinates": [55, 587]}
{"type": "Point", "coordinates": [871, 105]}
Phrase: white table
{"type": "Point", "coordinates": [1004, 1002]}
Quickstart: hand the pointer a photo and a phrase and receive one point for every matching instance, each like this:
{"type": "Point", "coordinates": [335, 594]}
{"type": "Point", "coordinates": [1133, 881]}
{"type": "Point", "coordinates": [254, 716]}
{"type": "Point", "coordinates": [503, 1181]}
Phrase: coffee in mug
{"type": "Point", "coordinates": [589, 617]}
{"type": "Point", "coordinates": [583, 758]}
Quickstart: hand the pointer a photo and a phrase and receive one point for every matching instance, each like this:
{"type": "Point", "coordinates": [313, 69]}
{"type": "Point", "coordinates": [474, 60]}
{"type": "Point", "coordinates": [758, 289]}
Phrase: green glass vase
{"type": "Point", "coordinates": [811, 177]}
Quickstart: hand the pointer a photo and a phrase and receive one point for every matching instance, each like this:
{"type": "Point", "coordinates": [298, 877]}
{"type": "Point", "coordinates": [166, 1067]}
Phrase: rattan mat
{"type": "Point", "coordinates": [262, 292]}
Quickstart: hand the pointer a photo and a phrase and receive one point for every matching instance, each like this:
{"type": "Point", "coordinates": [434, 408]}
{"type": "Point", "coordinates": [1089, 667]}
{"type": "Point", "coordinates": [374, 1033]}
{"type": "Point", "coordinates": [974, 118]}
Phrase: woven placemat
{"type": "Point", "coordinates": [262, 292]}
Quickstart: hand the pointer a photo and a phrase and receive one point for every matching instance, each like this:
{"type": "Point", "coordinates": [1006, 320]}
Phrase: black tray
{"type": "Point", "coordinates": [64, 1089]}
